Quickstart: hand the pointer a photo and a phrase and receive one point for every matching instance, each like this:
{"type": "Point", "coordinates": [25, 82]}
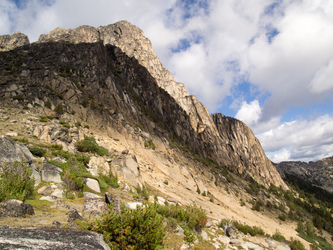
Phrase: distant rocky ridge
{"type": "Point", "coordinates": [116, 64]}
{"type": "Point", "coordinates": [318, 173]}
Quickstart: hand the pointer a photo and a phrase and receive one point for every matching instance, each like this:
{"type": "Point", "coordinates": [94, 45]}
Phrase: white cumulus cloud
{"type": "Point", "coordinates": [249, 112]}
{"type": "Point", "coordinates": [305, 139]}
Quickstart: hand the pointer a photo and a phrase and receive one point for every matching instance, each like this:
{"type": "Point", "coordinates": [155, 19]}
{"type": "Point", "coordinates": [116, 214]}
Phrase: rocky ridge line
{"type": "Point", "coordinates": [245, 158]}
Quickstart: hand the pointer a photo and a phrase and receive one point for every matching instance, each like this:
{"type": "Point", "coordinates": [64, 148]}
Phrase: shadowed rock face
{"type": "Point", "coordinates": [117, 65]}
{"type": "Point", "coordinates": [50, 239]}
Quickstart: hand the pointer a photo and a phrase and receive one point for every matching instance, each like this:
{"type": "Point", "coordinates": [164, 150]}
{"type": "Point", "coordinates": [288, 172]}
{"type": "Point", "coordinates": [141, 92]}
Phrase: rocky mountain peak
{"type": "Point", "coordinates": [120, 54]}
{"type": "Point", "coordinates": [132, 41]}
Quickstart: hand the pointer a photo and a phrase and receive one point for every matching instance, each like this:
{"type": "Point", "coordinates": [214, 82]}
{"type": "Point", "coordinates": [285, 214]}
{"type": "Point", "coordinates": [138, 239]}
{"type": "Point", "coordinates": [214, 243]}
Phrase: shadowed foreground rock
{"type": "Point", "coordinates": [50, 239]}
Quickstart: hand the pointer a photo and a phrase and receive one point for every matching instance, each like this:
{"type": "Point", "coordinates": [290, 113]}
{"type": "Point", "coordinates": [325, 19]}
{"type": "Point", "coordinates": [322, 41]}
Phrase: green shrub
{"type": "Point", "coordinates": [141, 228]}
{"type": "Point", "coordinates": [296, 245]}
{"type": "Point", "coordinates": [109, 180]}
{"type": "Point", "coordinates": [48, 104]}
{"type": "Point", "coordinates": [88, 144]}
{"type": "Point", "coordinates": [139, 126]}
{"type": "Point", "coordinates": [36, 151]}
{"type": "Point", "coordinates": [65, 124]}
{"type": "Point", "coordinates": [142, 191]}
{"type": "Point", "coordinates": [257, 205]}
{"type": "Point", "coordinates": [282, 217]}
{"type": "Point", "coordinates": [68, 194]}
{"type": "Point", "coordinates": [278, 236]}
{"type": "Point", "coordinates": [16, 182]}
{"type": "Point", "coordinates": [43, 119]}
{"type": "Point", "coordinates": [246, 229]}
{"type": "Point", "coordinates": [19, 98]}
{"type": "Point", "coordinates": [192, 216]}
{"type": "Point", "coordinates": [171, 224]}
{"type": "Point", "coordinates": [149, 144]}
{"type": "Point", "coordinates": [85, 103]}
{"type": "Point", "coordinates": [59, 109]}
{"type": "Point", "coordinates": [72, 181]}
{"type": "Point", "coordinates": [189, 237]}
{"type": "Point", "coordinates": [56, 147]}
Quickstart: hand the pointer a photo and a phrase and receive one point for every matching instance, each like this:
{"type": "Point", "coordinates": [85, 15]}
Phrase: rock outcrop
{"type": "Point", "coordinates": [114, 71]}
{"type": "Point", "coordinates": [9, 42]}
{"type": "Point", "coordinates": [245, 150]}
{"type": "Point", "coordinates": [318, 174]}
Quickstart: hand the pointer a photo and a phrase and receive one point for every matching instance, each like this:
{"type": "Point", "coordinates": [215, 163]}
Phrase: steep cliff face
{"type": "Point", "coordinates": [115, 72]}
{"type": "Point", "coordinates": [244, 149]}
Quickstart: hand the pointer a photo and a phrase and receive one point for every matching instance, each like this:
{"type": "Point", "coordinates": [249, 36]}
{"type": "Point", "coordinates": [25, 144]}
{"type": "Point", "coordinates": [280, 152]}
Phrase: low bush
{"type": "Point", "coordinates": [143, 192]}
{"type": "Point", "coordinates": [246, 229]}
{"type": "Point", "coordinates": [36, 151]}
{"type": "Point", "coordinates": [72, 181]}
{"type": "Point", "coordinates": [189, 237]}
{"type": "Point", "coordinates": [59, 109]}
{"type": "Point", "coordinates": [48, 104]}
{"type": "Point", "coordinates": [282, 217]}
{"type": "Point", "coordinates": [109, 180]}
{"type": "Point", "coordinates": [149, 144]}
{"type": "Point", "coordinates": [89, 144]}
{"type": "Point", "coordinates": [191, 216]}
{"type": "Point", "coordinates": [43, 119]}
{"type": "Point", "coordinates": [257, 205]}
{"type": "Point", "coordinates": [65, 124]}
{"type": "Point", "coordinates": [296, 245]}
{"type": "Point", "coordinates": [16, 182]}
{"type": "Point", "coordinates": [56, 147]}
{"type": "Point", "coordinates": [278, 236]}
{"type": "Point", "coordinates": [141, 228]}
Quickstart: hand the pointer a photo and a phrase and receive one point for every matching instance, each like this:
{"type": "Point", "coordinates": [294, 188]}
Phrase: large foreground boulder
{"type": "Point", "coordinates": [46, 238]}
{"type": "Point", "coordinates": [15, 208]}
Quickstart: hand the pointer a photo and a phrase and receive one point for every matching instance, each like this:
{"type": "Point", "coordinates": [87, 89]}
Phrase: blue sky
{"type": "Point", "coordinates": [268, 63]}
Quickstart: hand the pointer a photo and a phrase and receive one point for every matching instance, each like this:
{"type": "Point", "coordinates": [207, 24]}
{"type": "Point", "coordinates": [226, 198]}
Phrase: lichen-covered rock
{"type": "Point", "coordinates": [51, 173]}
{"type": "Point", "coordinates": [73, 215]}
{"type": "Point", "coordinates": [15, 208]}
{"type": "Point", "coordinates": [95, 207]}
{"type": "Point", "coordinates": [11, 151]}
